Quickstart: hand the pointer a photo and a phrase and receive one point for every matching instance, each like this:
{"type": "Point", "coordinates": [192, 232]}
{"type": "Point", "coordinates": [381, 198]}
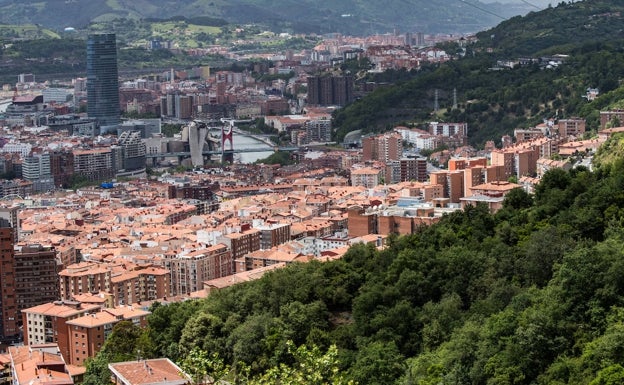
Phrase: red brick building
{"type": "Point", "coordinates": [36, 276]}
{"type": "Point", "coordinates": [190, 270]}
{"type": "Point", "coordinates": [125, 286]}
{"type": "Point", "coordinates": [384, 148]}
{"type": "Point", "coordinates": [7, 280]}
{"type": "Point", "coordinates": [88, 333]}
{"type": "Point", "coordinates": [47, 323]}
{"type": "Point", "coordinates": [242, 243]}
{"type": "Point", "coordinates": [84, 277]}
{"type": "Point", "coordinates": [360, 223]}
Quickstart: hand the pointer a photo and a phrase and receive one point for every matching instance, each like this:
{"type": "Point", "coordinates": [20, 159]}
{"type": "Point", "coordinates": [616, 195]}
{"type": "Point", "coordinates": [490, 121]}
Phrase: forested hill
{"type": "Point", "coordinates": [531, 295]}
{"type": "Point", "coordinates": [318, 16]}
{"type": "Point", "coordinates": [557, 29]}
{"type": "Point", "coordinates": [494, 100]}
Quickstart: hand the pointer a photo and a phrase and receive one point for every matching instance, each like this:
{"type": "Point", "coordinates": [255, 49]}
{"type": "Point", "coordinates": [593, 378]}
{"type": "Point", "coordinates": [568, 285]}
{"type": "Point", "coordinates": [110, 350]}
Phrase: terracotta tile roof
{"type": "Point", "coordinates": [243, 276]}
{"type": "Point", "coordinates": [75, 370]}
{"type": "Point", "coordinates": [154, 372]}
{"type": "Point", "coordinates": [60, 309]}
{"type": "Point", "coordinates": [127, 312]}
{"type": "Point", "coordinates": [31, 363]}
{"type": "Point", "coordinates": [93, 320]}
{"type": "Point", "coordinates": [91, 298]}
{"type": "Point", "coordinates": [109, 316]}
{"type": "Point", "coordinates": [496, 186]}
{"type": "Point", "coordinates": [5, 359]}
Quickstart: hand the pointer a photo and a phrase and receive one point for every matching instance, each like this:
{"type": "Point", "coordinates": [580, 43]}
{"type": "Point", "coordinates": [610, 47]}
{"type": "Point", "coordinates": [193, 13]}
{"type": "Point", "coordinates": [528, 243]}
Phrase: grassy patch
{"type": "Point", "coordinates": [114, 4]}
{"type": "Point", "coordinates": [28, 31]}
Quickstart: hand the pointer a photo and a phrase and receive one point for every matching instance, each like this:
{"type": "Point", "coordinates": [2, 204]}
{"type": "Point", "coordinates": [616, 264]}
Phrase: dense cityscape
{"type": "Point", "coordinates": [120, 192]}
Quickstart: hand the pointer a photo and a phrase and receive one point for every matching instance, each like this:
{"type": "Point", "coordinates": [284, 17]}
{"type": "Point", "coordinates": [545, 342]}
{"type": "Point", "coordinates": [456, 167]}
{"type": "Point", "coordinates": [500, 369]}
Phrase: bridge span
{"type": "Point", "coordinates": [187, 154]}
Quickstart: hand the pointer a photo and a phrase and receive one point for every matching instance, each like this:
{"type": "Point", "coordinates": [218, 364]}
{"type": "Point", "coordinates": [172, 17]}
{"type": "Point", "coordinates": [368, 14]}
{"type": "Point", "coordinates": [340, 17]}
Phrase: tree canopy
{"type": "Point", "coordinates": [530, 295]}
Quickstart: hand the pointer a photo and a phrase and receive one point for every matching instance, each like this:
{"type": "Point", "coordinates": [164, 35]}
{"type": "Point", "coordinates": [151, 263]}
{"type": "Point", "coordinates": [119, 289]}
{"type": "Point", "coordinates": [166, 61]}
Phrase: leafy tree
{"type": "Point", "coordinates": [97, 372]}
{"type": "Point", "coordinates": [612, 375]}
{"type": "Point", "coordinates": [196, 330]}
{"type": "Point", "coordinates": [279, 157]}
{"type": "Point", "coordinates": [378, 363]}
{"type": "Point", "coordinates": [204, 368]}
{"type": "Point", "coordinates": [121, 344]}
{"type": "Point", "coordinates": [167, 324]}
{"type": "Point", "coordinates": [311, 366]}
{"type": "Point", "coordinates": [531, 295]}
{"type": "Point", "coordinates": [517, 199]}
{"type": "Point", "coordinates": [169, 130]}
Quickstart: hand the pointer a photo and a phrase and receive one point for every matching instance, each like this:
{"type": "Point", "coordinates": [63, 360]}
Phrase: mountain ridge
{"type": "Point", "coordinates": [323, 16]}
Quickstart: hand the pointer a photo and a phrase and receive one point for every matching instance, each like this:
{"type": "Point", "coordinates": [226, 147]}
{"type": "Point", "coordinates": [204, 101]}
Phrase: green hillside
{"type": "Point", "coordinates": [531, 295]}
{"type": "Point", "coordinates": [494, 101]}
{"type": "Point", "coordinates": [347, 16]}
{"type": "Point", "coordinates": [27, 31]}
{"type": "Point", "coordinates": [557, 29]}
{"type": "Point", "coordinates": [61, 55]}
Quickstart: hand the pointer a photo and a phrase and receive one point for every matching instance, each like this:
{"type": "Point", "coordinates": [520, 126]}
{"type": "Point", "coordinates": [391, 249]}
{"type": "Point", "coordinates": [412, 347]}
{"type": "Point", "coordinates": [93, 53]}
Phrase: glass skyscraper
{"type": "Point", "coordinates": [103, 80]}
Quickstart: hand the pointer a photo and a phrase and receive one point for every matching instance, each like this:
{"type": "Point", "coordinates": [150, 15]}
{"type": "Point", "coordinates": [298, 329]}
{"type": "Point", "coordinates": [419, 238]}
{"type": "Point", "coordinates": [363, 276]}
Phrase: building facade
{"type": "Point", "coordinates": [7, 280]}
{"type": "Point", "coordinates": [36, 276]}
{"type": "Point", "coordinates": [94, 164]}
{"type": "Point", "coordinates": [330, 90]}
{"type": "Point", "coordinates": [47, 323]}
{"type": "Point", "coordinates": [385, 148]}
{"type": "Point", "coordinates": [88, 333]}
{"type": "Point", "coordinates": [103, 79]}
{"type": "Point", "coordinates": [190, 270]}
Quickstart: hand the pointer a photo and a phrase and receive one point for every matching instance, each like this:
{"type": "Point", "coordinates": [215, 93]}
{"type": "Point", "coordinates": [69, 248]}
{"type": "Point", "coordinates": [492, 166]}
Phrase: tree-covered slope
{"type": "Point", "coordinates": [347, 16]}
{"type": "Point", "coordinates": [557, 28]}
{"type": "Point", "coordinates": [493, 100]}
{"type": "Point", "coordinates": [531, 295]}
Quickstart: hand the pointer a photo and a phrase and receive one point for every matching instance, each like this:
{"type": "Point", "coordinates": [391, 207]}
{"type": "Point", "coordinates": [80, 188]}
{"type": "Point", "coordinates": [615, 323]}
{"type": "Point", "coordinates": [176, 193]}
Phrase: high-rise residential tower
{"type": "Point", "coordinates": [103, 80]}
{"type": "Point", "coordinates": [330, 90]}
{"type": "Point", "coordinates": [8, 303]}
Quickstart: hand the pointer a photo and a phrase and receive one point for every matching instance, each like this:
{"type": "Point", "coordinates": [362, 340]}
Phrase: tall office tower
{"type": "Point", "coordinates": [103, 80]}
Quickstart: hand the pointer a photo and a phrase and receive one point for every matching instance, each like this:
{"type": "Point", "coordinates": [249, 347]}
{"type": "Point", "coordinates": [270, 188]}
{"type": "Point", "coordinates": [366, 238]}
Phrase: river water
{"type": "Point", "coordinates": [4, 104]}
{"type": "Point", "coordinates": [247, 142]}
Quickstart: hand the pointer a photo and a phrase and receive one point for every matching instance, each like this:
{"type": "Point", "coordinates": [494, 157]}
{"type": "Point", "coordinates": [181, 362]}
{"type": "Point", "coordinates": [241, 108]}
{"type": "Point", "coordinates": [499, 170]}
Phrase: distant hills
{"type": "Point", "coordinates": [319, 16]}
